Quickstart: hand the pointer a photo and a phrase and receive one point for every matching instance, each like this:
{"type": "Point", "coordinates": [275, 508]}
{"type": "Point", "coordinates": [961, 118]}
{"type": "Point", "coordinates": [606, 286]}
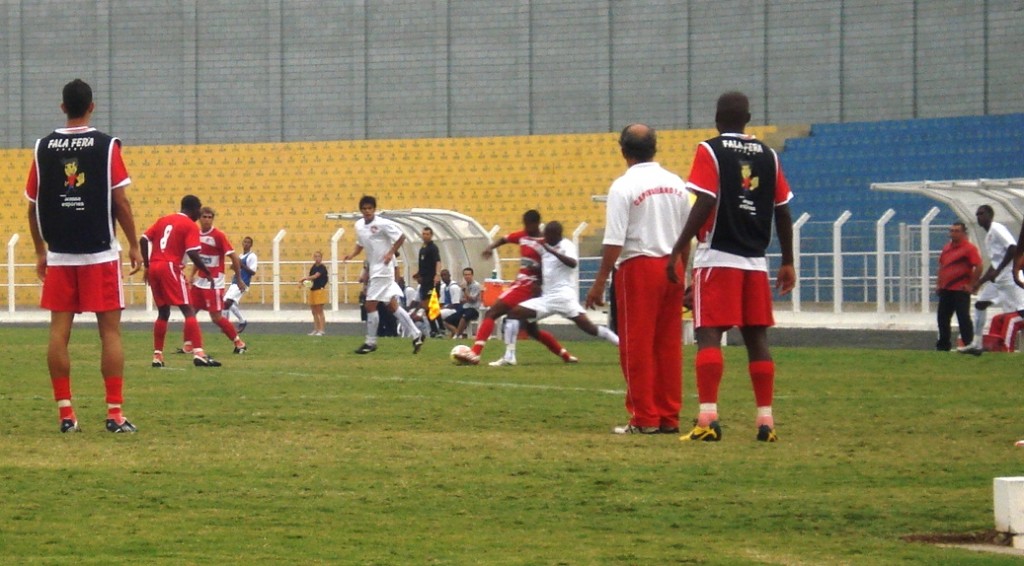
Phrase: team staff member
{"type": "Point", "coordinates": [645, 212]}
{"type": "Point", "coordinates": [76, 191]}
{"type": "Point", "coordinates": [741, 192]}
{"type": "Point", "coordinates": [174, 237]}
{"type": "Point", "coordinates": [959, 268]}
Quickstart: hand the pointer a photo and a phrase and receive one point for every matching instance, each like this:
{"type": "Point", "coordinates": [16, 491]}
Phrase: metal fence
{"type": "Point", "coordinates": [838, 266]}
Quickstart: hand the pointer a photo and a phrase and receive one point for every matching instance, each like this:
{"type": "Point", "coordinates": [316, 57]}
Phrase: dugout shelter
{"type": "Point", "coordinates": [460, 238]}
{"type": "Point", "coordinates": [963, 197]}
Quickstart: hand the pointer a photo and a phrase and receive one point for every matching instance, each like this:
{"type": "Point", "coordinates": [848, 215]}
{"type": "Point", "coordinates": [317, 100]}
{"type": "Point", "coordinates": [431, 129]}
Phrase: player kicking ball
{"type": "Point", "coordinates": [558, 294]}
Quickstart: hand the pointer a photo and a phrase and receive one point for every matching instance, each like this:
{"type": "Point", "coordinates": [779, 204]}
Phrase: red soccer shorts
{"type": "Point", "coordinates": [83, 288]}
{"type": "Point", "coordinates": [724, 297]}
{"type": "Point", "coordinates": [518, 292]}
{"type": "Point", "coordinates": [168, 284]}
{"type": "Point", "coordinates": [211, 300]}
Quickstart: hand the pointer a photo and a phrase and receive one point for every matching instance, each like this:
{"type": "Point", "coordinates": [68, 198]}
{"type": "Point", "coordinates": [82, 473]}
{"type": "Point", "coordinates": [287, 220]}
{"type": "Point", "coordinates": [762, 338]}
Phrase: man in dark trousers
{"type": "Point", "coordinates": [959, 268]}
{"type": "Point", "coordinates": [429, 266]}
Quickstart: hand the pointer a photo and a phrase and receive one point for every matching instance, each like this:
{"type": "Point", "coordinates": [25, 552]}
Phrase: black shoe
{"type": "Point", "coordinates": [366, 349]}
{"type": "Point", "coordinates": [205, 362]}
{"type": "Point", "coordinates": [69, 425]}
{"type": "Point", "coordinates": [417, 343]}
{"type": "Point", "coordinates": [125, 426]}
{"type": "Point", "coordinates": [766, 433]}
{"type": "Point", "coordinates": [664, 429]}
{"type": "Point", "coordinates": [241, 349]}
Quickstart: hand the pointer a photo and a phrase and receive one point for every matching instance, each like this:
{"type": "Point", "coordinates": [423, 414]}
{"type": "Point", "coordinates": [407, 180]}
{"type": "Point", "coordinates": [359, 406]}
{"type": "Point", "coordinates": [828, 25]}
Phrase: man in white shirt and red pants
{"type": "Point", "coordinates": [646, 209]}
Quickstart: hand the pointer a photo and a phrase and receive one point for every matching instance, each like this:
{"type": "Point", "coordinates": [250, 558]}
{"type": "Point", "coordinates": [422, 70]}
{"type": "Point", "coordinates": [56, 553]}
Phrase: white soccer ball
{"type": "Point", "coordinates": [308, 283]}
{"type": "Point", "coordinates": [460, 349]}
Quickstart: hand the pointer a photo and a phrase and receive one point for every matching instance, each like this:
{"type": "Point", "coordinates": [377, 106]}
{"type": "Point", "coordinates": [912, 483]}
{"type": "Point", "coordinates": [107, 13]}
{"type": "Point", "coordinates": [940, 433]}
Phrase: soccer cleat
{"type": "Point", "coordinates": [766, 433]}
{"type": "Point", "coordinates": [205, 362]}
{"type": "Point", "coordinates": [502, 363]}
{"type": "Point", "coordinates": [665, 429]}
{"type": "Point", "coordinates": [314, 333]}
{"type": "Point", "coordinates": [69, 425]}
{"type": "Point", "coordinates": [242, 325]}
{"type": "Point", "coordinates": [570, 359]}
{"type": "Point", "coordinates": [969, 349]}
{"type": "Point", "coordinates": [633, 429]}
{"type": "Point", "coordinates": [241, 349]}
{"type": "Point", "coordinates": [366, 349]}
{"type": "Point", "coordinates": [468, 358]}
{"type": "Point", "coordinates": [710, 433]}
{"type": "Point", "coordinates": [158, 360]}
{"type": "Point", "coordinates": [417, 343]}
{"type": "Point", "coordinates": [125, 426]}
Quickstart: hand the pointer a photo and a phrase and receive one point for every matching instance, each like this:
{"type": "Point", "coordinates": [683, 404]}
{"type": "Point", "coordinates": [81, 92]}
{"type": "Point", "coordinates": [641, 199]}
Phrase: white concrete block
{"type": "Point", "coordinates": [1008, 504]}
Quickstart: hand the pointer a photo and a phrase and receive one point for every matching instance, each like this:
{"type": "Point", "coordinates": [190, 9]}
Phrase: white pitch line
{"type": "Point", "coordinates": [505, 384]}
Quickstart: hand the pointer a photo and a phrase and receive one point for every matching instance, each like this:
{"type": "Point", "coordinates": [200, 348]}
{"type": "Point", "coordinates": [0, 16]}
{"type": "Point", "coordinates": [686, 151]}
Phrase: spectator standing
{"type": "Point", "coordinates": [741, 192]}
{"type": "Point", "coordinates": [959, 268]}
{"type": "Point", "coordinates": [645, 212]}
{"type": "Point", "coordinates": [318, 279]}
{"type": "Point", "coordinates": [77, 190]}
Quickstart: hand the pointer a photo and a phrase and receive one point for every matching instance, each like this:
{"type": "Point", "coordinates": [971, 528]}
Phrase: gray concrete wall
{"type": "Point", "coordinates": [291, 70]}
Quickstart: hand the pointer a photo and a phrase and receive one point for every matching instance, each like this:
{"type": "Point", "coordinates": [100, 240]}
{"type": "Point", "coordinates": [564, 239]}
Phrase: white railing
{"type": "Point", "coordinates": [882, 276]}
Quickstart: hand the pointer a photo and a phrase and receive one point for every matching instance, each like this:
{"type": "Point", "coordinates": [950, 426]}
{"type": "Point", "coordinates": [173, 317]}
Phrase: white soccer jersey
{"type": "Point", "coordinates": [376, 238]}
{"type": "Point", "coordinates": [646, 210]}
{"type": "Point", "coordinates": [997, 241]}
{"type": "Point", "coordinates": [558, 278]}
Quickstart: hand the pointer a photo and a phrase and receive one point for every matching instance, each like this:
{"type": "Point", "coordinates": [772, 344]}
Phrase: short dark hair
{"type": "Point", "coordinates": [469, 269]}
{"type": "Point", "coordinates": [732, 110]}
{"type": "Point", "coordinates": [367, 199]}
{"type": "Point", "coordinates": [191, 203]}
{"type": "Point", "coordinates": [639, 143]}
{"type": "Point", "coordinates": [960, 225]}
{"type": "Point", "coordinates": [531, 217]}
{"type": "Point", "coordinates": [986, 208]}
{"type": "Point", "coordinates": [77, 96]}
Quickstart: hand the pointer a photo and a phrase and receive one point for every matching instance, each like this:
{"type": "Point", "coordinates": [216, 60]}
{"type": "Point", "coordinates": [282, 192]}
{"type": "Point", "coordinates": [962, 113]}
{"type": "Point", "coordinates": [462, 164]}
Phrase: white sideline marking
{"type": "Point", "coordinates": [507, 385]}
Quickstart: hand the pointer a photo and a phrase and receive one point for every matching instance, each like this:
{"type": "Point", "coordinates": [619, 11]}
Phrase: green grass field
{"type": "Point", "coordinates": [301, 452]}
